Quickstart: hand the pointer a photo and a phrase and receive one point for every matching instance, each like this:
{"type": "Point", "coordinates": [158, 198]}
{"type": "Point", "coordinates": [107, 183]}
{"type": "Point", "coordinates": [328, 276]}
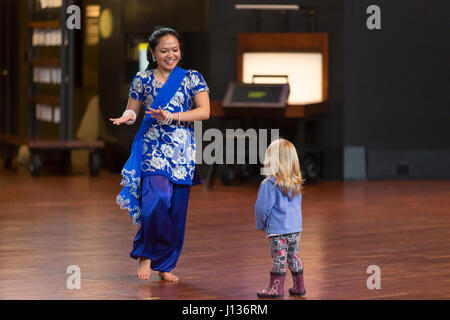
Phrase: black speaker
{"type": "Point", "coordinates": [311, 163]}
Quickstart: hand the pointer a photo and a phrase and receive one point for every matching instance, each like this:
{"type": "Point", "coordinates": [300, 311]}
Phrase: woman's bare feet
{"type": "Point", "coordinates": [167, 276]}
{"type": "Point", "coordinates": [143, 270]}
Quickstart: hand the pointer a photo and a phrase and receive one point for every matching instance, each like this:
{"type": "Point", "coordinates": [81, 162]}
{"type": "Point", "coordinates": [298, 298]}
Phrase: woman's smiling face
{"type": "Point", "coordinates": [167, 52]}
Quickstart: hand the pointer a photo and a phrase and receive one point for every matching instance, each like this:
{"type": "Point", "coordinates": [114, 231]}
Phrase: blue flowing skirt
{"type": "Point", "coordinates": [163, 220]}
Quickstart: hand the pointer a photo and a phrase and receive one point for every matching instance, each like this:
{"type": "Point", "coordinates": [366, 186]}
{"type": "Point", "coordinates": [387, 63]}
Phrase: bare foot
{"type": "Point", "coordinates": [143, 270]}
{"type": "Point", "coordinates": [167, 276]}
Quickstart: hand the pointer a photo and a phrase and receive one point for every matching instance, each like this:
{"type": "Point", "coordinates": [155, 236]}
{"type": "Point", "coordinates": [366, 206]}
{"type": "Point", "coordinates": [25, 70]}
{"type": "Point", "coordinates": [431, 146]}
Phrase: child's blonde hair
{"type": "Point", "coordinates": [281, 162]}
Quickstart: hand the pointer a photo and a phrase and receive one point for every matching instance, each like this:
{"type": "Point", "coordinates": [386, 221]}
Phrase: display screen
{"type": "Point", "coordinates": [256, 95]}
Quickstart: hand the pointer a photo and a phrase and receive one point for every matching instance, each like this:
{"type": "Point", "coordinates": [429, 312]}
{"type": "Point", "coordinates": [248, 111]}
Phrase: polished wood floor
{"type": "Point", "coordinates": [54, 221]}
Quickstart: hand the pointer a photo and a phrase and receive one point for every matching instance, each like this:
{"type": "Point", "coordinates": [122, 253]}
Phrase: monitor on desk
{"type": "Point", "coordinates": [303, 69]}
{"type": "Point", "coordinates": [245, 95]}
{"type": "Point", "coordinates": [302, 57]}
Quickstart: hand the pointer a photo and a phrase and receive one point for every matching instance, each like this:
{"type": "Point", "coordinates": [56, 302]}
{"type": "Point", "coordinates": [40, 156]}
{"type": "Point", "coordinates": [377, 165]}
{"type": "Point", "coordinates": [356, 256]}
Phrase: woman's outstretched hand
{"type": "Point", "coordinates": [158, 114]}
{"type": "Point", "coordinates": [123, 119]}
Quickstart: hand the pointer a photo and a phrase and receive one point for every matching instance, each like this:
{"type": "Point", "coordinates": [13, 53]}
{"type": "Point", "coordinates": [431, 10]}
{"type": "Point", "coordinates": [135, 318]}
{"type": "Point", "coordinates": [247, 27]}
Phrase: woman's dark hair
{"type": "Point", "coordinates": [153, 41]}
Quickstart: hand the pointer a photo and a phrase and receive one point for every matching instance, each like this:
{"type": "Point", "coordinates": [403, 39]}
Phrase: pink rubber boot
{"type": "Point", "coordinates": [276, 286]}
{"type": "Point", "coordinates": [298, 288]}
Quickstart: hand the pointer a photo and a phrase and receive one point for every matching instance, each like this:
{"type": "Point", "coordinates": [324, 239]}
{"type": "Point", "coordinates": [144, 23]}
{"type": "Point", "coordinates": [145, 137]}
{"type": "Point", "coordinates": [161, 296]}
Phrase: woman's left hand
{"type": "Point", "coordinates": [159, 114]}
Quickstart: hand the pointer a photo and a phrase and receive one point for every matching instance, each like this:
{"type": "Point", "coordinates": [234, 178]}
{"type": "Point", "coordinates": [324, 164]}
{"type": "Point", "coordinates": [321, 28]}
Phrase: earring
{"type": "Point", "coordinates": [153, 59]}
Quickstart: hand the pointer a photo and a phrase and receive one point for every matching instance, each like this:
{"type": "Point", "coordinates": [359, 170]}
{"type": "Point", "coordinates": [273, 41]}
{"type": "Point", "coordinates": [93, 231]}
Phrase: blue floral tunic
{"type": "Point", "coordinates": [169, 150]}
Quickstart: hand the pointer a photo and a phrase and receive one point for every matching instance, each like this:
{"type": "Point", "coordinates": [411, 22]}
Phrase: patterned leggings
{"type": "Point", "coordinates": [286, 246]}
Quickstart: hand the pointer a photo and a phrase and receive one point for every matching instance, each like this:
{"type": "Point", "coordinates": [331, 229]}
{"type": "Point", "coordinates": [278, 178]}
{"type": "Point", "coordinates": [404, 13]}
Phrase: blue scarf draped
{"type": "Point", "coordinates": [130, 196]}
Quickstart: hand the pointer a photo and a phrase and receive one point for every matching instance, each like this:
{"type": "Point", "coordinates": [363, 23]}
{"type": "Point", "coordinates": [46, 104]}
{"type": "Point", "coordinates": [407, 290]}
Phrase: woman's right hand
{"type": "Point", "coordinates": [121, 120]}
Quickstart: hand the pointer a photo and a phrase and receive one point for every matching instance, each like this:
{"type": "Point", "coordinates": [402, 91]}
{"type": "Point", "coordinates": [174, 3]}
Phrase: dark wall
{"type": "Point", "coordinates": [397, 82]}
{"type": "Point", "coordinates": [388, 87]}
{"type": "Point", "coordinates": [226, 23]}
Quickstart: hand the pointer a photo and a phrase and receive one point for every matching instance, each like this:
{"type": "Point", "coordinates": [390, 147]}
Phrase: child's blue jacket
{"type": "Point", "coordinates": [275, 212]}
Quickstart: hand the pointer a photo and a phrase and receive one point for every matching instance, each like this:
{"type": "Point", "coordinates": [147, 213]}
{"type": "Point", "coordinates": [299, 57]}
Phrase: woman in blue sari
{"type": "Point", "coordinates": [161, 169]}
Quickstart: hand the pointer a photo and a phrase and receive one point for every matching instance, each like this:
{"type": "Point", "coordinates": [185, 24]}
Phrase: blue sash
{"type": "Point", "coordinates": [130, 196]}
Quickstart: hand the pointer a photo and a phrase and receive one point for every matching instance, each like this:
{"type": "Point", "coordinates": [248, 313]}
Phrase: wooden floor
{"type": "Point", "coordinates": [54, 221]}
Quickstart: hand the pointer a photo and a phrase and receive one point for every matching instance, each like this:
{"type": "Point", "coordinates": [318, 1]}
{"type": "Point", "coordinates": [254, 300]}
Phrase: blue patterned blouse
{"type": "Point", "coordinates": [169, 150]}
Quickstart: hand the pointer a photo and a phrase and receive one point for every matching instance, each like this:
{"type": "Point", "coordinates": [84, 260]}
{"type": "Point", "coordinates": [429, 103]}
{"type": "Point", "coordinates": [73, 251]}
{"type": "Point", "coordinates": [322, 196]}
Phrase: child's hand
{"type": "Point", "coordinates": [121, 120]}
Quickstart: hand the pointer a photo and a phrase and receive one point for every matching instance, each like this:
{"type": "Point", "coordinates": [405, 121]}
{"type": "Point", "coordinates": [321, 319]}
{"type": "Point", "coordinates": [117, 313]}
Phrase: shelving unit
{"type": "Point", "coordinates": [53, 97]}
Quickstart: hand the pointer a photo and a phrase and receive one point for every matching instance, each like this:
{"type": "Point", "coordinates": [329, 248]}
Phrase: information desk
{"type": "Point", "coordinates": [290, 111]}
